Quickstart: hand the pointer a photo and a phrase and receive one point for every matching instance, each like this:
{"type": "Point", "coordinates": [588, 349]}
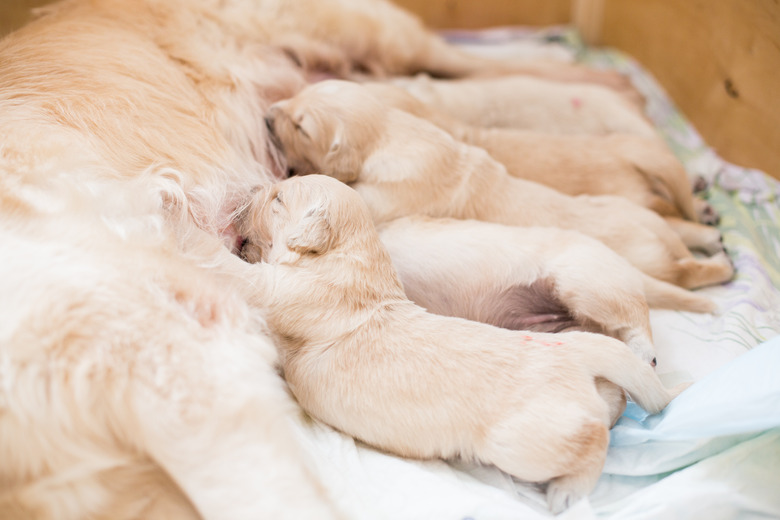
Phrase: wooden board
{"type": "Point", "coordinates": [15, 13]}
{"type": "Point", "coordinates": [472, 14]}
{"type": "Point", "coordinates": [718, 60]}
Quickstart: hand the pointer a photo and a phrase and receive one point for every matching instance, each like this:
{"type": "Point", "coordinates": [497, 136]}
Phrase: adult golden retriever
{"type": "Point", "coordinates": [361, 357]}
{"type": "Point", "coordinates": [403, 165]}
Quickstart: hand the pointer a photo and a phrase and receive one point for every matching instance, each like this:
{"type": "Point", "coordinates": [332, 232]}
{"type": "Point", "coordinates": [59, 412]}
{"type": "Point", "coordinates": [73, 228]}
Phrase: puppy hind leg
{"type": "Point", "coordinates": [612, 297]}
{"type": "Point", "coordinates": [705, 213]}
{"type": "Point", "coordinates": [566, 490]}
{"type": "Point", "coordinates": [614, 396]}
{"type": "Point", "coordinates": [694, 272]}
{"type": "Point", "coordinates": [697, 237]}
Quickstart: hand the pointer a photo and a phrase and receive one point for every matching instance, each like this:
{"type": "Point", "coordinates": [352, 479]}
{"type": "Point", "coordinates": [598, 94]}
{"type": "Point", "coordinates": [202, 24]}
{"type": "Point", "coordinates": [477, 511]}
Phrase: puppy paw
{"type": "Point", "coordinates": [562, 493]}
{"type": "Point", "coordinates": [706, 213]}
{"type": "Point", "coordinates": [699, 184]}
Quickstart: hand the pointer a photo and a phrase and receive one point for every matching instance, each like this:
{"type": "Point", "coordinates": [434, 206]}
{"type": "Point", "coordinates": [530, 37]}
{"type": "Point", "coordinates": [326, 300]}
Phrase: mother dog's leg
{"type": "Point", "coordinates": [223, 422]}
{"type": "Point", "coordinates": [230, 448]}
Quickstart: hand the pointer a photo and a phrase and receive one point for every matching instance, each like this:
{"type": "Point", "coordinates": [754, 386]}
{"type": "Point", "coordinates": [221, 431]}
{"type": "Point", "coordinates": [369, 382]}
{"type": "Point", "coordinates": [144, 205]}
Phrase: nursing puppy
{"type": "Point", "coordinates": [135, 383]}
{"type": "Point", "coordinates": [531, 103]}
{"type": "Point", "coordinates": [641, 169]}
{"type": "Point", "coordinates": [361, 357]}
{"type": "Point", "coordinates": [540, 279]}
{"type": "Point", "coordinates": [403, 165]}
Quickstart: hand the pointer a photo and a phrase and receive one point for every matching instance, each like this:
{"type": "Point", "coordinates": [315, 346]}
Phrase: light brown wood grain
{"type": "Point", "coordinates": [472, 14]}
{"type": "Point", "coordinates": [719, 61]}
{"type": "Point", "coordinates": [15, 13]}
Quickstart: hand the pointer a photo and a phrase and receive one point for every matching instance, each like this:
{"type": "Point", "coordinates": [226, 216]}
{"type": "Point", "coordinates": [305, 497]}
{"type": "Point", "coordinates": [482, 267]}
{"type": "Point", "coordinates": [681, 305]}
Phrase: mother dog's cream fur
{"type": "Point", "coordinates": [134, 383]}
{"type": "Point", "coordinates": [361, 357]}
{"type": "Point", "coordinates": [403, 165]}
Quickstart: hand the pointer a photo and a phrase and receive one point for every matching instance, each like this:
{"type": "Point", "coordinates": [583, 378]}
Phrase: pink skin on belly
{"type": "Point", "coordinates": [231, 238]}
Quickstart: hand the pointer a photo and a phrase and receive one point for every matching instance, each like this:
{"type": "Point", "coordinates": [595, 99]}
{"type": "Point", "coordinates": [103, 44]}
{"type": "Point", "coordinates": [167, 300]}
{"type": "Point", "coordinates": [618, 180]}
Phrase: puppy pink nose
{"type": "Point", "coordinates": [653, 363]}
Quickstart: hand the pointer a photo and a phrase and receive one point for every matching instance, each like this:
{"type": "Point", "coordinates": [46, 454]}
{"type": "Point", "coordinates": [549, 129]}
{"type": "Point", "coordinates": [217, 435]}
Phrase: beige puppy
{"type": "Point", "coordinates": [135, 384]}
{"type": "Point", "coordinates": [642, 169]}
{"type": "Point", "coordinates": [515, 101]}
{"type": "Point", "coordinates": [361, 357]}
{"type": "Point", "coordinates": [403, 165]}
{"type": "Point", "coordinates": [541, 279]}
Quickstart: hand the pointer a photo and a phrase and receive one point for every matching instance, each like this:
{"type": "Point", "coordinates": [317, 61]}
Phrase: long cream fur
{"type": "Point", "coordinates": [361, 357]}
{"type": "Point", "coordinates": [134, 382]}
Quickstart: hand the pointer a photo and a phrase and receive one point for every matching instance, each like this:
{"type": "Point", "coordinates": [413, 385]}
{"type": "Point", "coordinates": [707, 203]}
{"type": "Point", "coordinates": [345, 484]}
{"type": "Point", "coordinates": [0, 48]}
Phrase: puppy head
{"type": "Point", "coordinates": [300, 216]}
{"type": "Point", "coordinates": [329, 128]}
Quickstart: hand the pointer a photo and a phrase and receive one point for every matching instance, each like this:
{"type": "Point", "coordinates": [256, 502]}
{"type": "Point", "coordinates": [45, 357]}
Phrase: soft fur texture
{"type": "Point", "coordinates": [359, 356]}
{"type": "Point", "coordinates": [540, 279]}
{"type": "Point", "coordinates": [402, 165]}
{"type": "Point", "coordinates": [128, 391]}
{"type": "Point", "coordinates": [533, 103]}
{"type": "Point", "coordinates": [134, 382]}
{"type": "Point", "coordinates": [640, 168]}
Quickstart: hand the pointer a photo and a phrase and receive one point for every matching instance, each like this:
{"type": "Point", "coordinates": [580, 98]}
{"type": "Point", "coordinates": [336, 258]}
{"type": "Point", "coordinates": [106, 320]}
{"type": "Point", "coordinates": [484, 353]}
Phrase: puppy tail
{"type": "Point", "coordinates": [615, 362]}
{"type": "Point", "coordinates": [664, 295]}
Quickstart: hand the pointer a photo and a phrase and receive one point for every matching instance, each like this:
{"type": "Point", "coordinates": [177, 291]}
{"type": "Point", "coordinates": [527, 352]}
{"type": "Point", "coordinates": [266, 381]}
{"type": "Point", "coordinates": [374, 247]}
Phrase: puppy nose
{"type": "Point", "coordinates": [653, 363]}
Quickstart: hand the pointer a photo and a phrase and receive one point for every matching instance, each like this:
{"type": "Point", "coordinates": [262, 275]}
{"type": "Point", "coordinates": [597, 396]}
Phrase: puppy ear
{"type": "Point", "coordinates": [335, 144]}
{"type": "Point", "coordinates": [313, 233]}
{"type": "Point", "coordinates": [342, 163]}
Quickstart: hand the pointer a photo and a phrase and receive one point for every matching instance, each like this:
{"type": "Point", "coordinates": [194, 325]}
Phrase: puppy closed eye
{"type": "Point", "coordinates": [278, 202]}
{"type": "Point", "coordinates": [300, 123]}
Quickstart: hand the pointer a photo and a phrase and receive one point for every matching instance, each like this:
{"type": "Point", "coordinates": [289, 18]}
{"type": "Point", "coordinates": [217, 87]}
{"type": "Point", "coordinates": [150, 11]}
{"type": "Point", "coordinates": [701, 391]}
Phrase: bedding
{"type": "Point", "coordinates": [714, 452]}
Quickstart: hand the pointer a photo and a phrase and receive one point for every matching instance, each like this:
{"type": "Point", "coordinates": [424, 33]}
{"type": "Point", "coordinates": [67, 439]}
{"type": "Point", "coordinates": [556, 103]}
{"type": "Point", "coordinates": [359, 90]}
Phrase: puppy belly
{"type": "Point", "coordinates": [533, 307]}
